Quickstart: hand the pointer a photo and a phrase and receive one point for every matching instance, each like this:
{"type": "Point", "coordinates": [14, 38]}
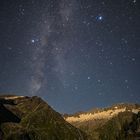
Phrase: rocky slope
{"type": "Point", "coordinates": [30, 118]}
{"type": "Point", "coordinates": [109, 123]}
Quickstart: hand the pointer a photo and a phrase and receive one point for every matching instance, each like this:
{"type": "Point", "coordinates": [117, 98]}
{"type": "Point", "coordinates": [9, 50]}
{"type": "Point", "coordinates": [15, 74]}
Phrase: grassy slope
{"type": "Point", "coordinates": [39, 122]}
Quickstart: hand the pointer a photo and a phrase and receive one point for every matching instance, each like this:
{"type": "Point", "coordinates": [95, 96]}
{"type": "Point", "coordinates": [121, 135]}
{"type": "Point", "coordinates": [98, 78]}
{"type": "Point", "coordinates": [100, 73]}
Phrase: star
{"type": "Point", "coordinates": [133, 59]}
{"type": "Point", "coordinates": [124, 40]}
{"type": "Point", "coordinates": [33, 41]}
{"type": "Point", "coordinates": [100, 94]}
{"type": "Point", "coordinates": [127, 87]}
{"type": "Point", "coordinates": [76, 88]}
{"type": "Point", "coordinates": [126, 81]}
{"type": "Point", "coordinates": [89, 77]}
{"type": "Point", "coordinates": [9, 48]}
{"type": "Point", "coordinates": [134, 1]}
{"type": "Point", "coordinates": [100, 18]}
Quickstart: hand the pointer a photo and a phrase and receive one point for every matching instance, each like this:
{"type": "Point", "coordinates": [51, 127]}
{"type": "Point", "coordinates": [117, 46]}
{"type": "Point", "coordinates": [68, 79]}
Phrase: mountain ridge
{"type": "Point", "coordinates": [34, 119]}
{"type": "Point", "coordinates": [109, 123]}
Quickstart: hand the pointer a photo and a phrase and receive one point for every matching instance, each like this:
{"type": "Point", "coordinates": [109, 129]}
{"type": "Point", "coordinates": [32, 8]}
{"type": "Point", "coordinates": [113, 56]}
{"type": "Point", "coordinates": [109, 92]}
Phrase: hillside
{"type": "Point", "coordinates": [109, 123]}
{"type": "Point", "coordinates": [30, 118]}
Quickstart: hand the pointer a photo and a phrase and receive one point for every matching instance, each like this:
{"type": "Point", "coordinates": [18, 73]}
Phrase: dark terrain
{"type": "Point", "coordinates": [31, 118]}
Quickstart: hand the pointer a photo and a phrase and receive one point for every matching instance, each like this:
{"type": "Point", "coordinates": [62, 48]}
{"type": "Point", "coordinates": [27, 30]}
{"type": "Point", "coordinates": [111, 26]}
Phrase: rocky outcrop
{"type": "Point", "coordinates": [31, 118]}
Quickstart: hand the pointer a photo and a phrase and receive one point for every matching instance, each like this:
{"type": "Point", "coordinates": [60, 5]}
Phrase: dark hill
{"type": "Point", "coordinates": [30, 118]}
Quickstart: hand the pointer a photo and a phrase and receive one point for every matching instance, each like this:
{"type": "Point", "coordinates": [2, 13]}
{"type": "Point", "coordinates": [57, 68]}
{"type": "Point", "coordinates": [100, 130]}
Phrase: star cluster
{"type": "Point", "coordinates": [75, 54]}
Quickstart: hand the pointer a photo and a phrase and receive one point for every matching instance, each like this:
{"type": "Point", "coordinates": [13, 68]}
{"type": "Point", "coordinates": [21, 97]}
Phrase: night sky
{"type": "Point", "coordinates": [75, 54]}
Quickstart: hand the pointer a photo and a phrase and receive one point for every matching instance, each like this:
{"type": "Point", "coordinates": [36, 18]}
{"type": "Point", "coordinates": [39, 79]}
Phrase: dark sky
{"type": "Point", "coordinates": [75, 54]}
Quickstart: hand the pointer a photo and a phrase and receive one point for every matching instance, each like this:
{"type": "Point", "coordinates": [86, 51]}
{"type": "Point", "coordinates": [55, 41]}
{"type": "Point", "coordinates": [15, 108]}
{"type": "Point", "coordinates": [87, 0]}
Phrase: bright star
{"type": "Point", "coordinates": [33, 41]}
{"type": "Point", "coordinates": [99, 18]}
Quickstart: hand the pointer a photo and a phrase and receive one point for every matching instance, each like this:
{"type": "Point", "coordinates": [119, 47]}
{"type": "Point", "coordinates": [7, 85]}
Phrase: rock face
{"type": "Point", "coordinates": [30, 118]}
{"type": "Point", "coordinates": [118, 122]}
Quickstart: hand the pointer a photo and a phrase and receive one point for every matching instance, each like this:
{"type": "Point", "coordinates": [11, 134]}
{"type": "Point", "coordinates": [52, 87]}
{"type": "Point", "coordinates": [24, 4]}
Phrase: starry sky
{"type": "Point", "coordinates": [75, 54]}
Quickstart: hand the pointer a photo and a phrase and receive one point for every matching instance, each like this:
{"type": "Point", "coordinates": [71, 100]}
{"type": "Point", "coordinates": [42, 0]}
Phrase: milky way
{"type": "Point", "coordinates": [50, 27]}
